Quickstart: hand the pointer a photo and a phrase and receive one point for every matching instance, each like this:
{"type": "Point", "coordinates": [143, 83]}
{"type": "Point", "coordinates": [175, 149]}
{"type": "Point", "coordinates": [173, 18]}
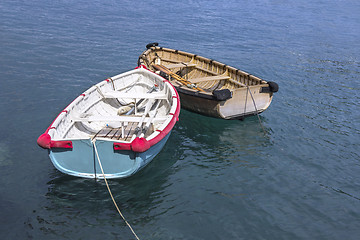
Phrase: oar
{"type": "Point", "coordinates": [152, 116]}
{"type": "Point", "coordinates": [120, 112]}
{"type": "Point", "coordinates": [147, 109]}
{"type": "Point", "coordinates": [177, 77]}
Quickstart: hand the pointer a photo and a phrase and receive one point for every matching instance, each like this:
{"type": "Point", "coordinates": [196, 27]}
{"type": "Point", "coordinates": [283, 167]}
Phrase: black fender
{"type": "Point", "coordinates": [222, 95]}
{"type": "Point", "coordinates": [272, 88]}
{"type": "Point", "coordinates": [152, 45]}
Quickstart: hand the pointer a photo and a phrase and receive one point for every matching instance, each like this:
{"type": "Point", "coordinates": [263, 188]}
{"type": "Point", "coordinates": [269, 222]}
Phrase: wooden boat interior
{"type": "Point", "coordinates": [120, 108]}
{"type": "Point", "coordinates": [207, 74]}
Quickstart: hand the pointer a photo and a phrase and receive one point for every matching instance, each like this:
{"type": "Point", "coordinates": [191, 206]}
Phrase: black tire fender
{"type": "Point", "coordinates": [274, 87]}
{"type": "Point", "coordinates": [152, 45]}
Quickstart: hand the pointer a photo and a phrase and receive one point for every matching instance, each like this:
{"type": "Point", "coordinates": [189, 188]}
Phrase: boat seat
{"type": "Point", "coordinates": [116, 119]}
{"type": "Point", "coordinates": [116, 94]}
{"type": "Point", "coordinates": [180, 65]}
{"type": "Point", "coordinates": [211, 78]}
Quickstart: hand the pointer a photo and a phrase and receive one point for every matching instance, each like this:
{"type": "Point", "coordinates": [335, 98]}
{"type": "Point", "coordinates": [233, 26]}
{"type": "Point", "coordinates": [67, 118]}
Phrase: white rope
{"type": "Point", "coordinates": [107, 185]}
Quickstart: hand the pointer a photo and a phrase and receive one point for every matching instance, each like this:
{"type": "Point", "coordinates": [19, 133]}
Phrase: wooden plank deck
{"type": "Point", "coordinates": [116, 133]}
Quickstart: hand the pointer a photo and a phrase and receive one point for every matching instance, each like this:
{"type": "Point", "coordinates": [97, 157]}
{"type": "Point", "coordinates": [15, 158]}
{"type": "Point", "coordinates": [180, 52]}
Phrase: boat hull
{"type": "Point", "coordinates": [82, 161]}
{"type": "Point", "coordinates": [194, 102]}
{"type": "Point", "coordinates": [238, 107]}
{"type": "Point", "coordinates": [202, 78]}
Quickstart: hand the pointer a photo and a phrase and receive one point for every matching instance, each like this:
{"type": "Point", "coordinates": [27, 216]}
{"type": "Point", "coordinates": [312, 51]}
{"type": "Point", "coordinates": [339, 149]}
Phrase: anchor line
{"type": "Point", "coordinates": [107, 185]}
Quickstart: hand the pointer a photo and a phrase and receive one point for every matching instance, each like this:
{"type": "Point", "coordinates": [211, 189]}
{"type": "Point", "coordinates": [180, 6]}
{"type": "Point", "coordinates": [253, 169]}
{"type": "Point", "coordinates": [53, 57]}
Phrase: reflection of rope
{"type": "Point", "coordinates": [246, 100]}
{"type": "Point", "coordinates": [257, 113]}
{"type": "Point", "coordinates": [107, 185]}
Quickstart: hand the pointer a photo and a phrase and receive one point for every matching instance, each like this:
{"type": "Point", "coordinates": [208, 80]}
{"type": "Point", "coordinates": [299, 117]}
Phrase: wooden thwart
{"type": "Point", "coordinates": [116, 94]}
{"type": "Point", "coordinates": [211, 78]}
{"type": "Point", "coordinates": [179, 65]}
{"type": "Point", "coordinates": [116, 119]}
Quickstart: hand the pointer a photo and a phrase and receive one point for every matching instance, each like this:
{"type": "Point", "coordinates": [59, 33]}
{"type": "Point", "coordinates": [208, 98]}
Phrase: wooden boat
{"type": "Point", "coordinates": [209, 87]}
{"type": "Point", "coordinates": [126, 119]}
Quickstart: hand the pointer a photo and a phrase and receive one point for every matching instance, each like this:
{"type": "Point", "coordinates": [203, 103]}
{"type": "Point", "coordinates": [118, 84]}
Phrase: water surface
{"type": "Point", "coordinates": [215, 179]}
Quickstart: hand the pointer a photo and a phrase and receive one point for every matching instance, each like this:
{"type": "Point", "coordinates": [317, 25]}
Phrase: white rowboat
{"type": "Point", "coordinates": [126, 119]}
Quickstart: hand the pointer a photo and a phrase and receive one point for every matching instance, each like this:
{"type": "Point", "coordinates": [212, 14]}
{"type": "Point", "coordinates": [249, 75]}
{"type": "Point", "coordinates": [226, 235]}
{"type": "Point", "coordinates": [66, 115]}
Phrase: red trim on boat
{"type": "Point", "coordinates": [121, 146]}
{"type": "Point", "coordinates": [137, 145]}
{"type": "Point", "coordinates": [140, 145]}
{"type": "Point", "coordinates": [142, 66]}
{"type": "Point", "coordinates": [45, 141]}
{"type": "Point", "coordinates": [61, 144]}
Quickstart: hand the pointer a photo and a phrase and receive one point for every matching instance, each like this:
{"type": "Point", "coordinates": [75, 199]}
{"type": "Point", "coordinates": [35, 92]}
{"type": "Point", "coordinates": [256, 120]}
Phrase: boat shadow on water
{"type": "Point", "coordinates": [211, 133]}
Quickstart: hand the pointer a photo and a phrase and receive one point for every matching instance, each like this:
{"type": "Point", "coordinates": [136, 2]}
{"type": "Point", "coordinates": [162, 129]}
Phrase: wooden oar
{"type": "Point", "coordinates": [150, 121]}
{"type": "Point", "coordinates": [154, 88]}
{"type": "Point", "coordinates": [139, 126]}
{"type": "Point", "coordinates": [177, 77]}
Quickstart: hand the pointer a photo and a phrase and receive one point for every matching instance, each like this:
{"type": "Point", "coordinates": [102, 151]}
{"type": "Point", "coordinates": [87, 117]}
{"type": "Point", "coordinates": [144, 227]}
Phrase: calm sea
{"type": "Point", "coordinates": [215, 179]}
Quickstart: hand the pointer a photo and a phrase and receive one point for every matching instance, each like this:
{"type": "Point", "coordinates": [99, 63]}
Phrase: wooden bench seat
{"type": "Point", "coordinates": [211, 78]}
{"type": "Point", "coordinates": [115, 94]}
{"type": "Point", "coordinates": [180, 65]}
{"type": "Point", "coordinates": [115, 119]}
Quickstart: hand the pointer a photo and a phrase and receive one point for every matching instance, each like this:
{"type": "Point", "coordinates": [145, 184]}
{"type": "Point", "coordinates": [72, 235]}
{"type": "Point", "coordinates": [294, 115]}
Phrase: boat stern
{"type": "Point", "coordinates": [81, 160]}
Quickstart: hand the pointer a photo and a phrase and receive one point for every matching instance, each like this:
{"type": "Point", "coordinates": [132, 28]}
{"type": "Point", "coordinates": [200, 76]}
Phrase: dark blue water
{"type": "Point", "coordinates": [215, 179]}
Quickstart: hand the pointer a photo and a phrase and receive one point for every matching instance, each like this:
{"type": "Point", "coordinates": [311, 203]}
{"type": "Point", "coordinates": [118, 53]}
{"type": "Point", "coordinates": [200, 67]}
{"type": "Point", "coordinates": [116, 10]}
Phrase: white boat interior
{"type": "Point", "coordinates": [134, 104]}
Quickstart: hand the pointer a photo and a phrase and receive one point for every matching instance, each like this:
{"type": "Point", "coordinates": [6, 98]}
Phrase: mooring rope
{"type": "Point", "coordinates": [246, 99]}
{"type": "Point", "coordinates": [107, 185]}
{"type": "Point", "coordinates": [257, 113]}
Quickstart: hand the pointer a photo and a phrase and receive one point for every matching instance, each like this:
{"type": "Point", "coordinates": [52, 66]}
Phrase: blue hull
{"type": "Point", "coordinates": [81, 161]}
